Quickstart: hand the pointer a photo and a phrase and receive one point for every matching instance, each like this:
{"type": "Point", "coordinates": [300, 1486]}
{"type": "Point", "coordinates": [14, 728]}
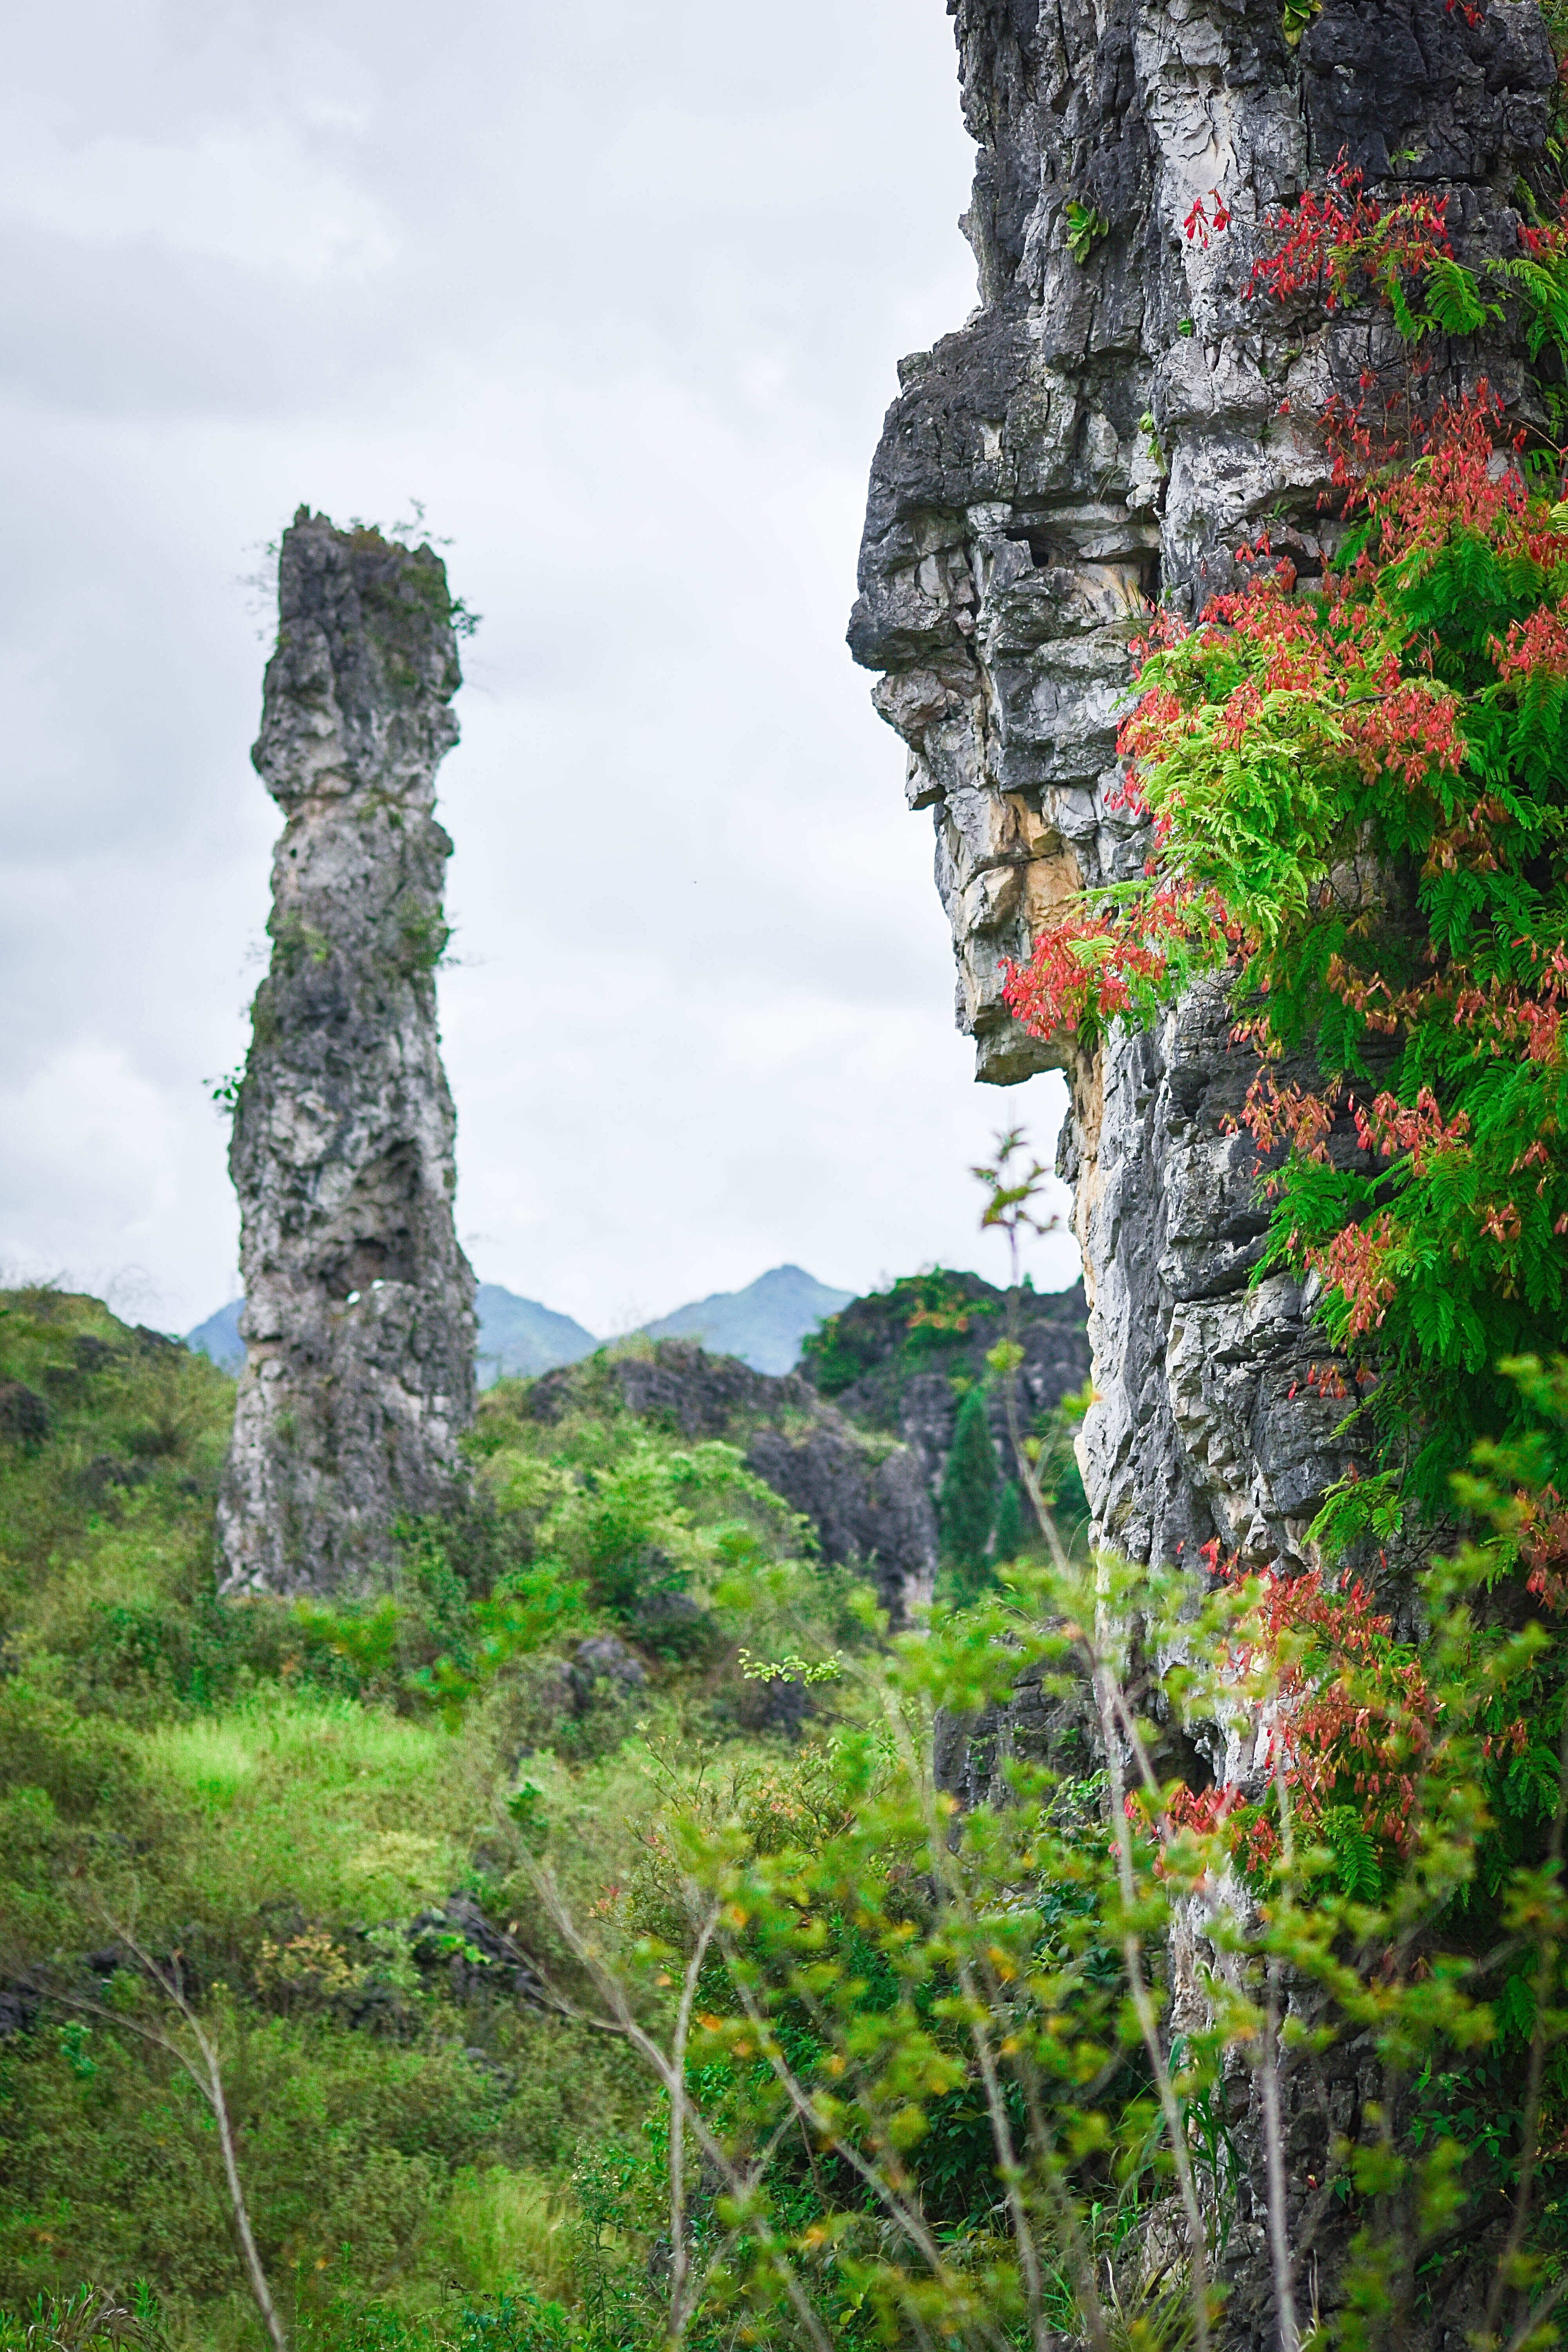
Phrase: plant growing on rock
{"type": "Point", "coordinates": [1084, 227]}
{"type": "Point", "coordinates": [1357, 797]}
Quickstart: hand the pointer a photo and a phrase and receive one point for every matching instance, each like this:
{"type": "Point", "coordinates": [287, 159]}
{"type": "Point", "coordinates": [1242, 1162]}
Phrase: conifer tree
{"type": "Point", "coordinates": [1012, 1536]}
{"type": "Point", "coordinates": [969, 1493]}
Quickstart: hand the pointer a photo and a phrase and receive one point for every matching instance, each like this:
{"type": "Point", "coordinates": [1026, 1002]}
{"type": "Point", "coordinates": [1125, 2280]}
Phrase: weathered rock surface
{"type": "Point", "coordinates": [473, 1959]}
{"type": "Point", "coordinates": [865, 1498]}
{"type": "Point", "coordinates": [1096, 436]}
{"type": "Point", "coordinates": [1099, 435]}
{"type": "Point", "coordinates": [602, 1662]}
{"type": "Point", "coordinates": [868, 1505]}
{"type": "Point", "coordinates": [359, 1320]}
{"type": "Point", "coordinates": [24, 1414]}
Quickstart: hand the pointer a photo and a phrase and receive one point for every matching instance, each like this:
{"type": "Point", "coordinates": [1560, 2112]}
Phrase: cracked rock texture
{"type": "Point", "coordinates": [1095, 436]}
{"type": "Point", "coordinates": [1098, 434]}
{"type": "Point", "coordinates": [359, 1317]}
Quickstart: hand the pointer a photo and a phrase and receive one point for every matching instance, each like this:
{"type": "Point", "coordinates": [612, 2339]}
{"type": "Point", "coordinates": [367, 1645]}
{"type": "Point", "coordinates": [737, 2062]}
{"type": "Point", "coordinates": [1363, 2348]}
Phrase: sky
{"type": "Point", "coordinates": [615, 294]}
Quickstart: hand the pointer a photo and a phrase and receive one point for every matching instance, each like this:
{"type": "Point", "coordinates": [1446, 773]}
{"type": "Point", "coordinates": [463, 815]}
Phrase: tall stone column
{"type": "Point", "coordinates": [1112, 421]}
{"type": "Point", "coordinates": [359, 1315]}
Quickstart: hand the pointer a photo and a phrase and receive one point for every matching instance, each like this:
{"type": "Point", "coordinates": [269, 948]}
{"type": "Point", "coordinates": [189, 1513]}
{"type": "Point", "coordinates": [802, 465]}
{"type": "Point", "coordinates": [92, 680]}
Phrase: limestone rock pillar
{"type": "Point", "coordinates": [359, 1313]}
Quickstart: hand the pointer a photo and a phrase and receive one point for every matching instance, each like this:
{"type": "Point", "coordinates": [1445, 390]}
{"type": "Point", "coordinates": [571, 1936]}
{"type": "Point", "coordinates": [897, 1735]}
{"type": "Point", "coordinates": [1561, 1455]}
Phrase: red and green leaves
{"type": "Point", "coordinates": [1358, 800]}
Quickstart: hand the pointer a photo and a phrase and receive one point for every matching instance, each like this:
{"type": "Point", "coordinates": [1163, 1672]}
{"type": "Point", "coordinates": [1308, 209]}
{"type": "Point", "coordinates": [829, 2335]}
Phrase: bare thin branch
{"type": "Point", "coordinates": [206, 2071]}
{"type": "Point", "coordinates": [624, 2024]}
{"type": "Point", "coordinates": [1143, 2009]}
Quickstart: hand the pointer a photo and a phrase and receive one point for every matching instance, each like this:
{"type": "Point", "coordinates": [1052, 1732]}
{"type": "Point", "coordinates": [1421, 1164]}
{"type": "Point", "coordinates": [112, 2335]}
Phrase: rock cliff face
{"type": "Point", "coordinates": [865, 1496]}
{"type": "Point", "coordinates": [1102, 432]}
{"type": "Point", "coordinates": [1106, 429]}
{"type": "Point", "coordinates": [359, 1321]}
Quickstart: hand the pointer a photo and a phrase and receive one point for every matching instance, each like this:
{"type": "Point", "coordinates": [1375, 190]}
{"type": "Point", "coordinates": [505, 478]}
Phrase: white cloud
{"type": "Point", "coordinates": [244, 193]}
{"type": "Point", "coordinates": [100, 1172]}
{"type": "Point", "coordinates": [619, 294]}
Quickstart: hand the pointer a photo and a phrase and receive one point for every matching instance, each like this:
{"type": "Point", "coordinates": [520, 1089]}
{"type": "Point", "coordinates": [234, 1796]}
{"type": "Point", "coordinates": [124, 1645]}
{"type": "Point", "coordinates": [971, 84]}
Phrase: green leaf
{"type": "Point", "coordinates": [1085, 227]}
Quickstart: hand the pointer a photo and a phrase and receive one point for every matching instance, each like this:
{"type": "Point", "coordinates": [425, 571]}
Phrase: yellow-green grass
{"type": "Point", "coordinates": [352, 1812]}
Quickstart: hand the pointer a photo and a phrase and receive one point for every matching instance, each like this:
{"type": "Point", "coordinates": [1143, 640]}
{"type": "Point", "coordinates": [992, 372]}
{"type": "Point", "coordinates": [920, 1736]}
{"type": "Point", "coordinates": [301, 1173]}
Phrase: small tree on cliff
{"type": "Point", "coordinates": [969, 1496]}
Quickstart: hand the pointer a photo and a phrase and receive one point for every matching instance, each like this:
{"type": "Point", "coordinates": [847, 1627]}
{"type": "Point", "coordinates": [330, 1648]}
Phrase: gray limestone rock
{"type": "Point", "coordinates": [1098, 434]}
{"type": "Point", "coordinates": [869, 1507]}
{"type": "Point", "coordinates": [359, 1317]}
{"type": "Point", "coordinates": [604, 1664]}
{"type": "Point", "coordinates": [24, 1416]}
{"type": "Point", "coordinates": [1101, 434]}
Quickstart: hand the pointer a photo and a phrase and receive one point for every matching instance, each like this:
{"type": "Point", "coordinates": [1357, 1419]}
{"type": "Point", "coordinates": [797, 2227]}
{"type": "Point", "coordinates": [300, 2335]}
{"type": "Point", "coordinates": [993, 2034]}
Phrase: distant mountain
{"type": "Point", "coordinates": [764, 1324]}
{"type": "Point", "coordinates": [517, 1335]}
{"type": "Point", "coordinates": [219, 1338]}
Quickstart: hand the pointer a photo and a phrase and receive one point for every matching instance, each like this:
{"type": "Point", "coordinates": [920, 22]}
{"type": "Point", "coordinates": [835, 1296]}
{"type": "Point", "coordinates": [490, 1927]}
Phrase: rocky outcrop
{"type": "Point", "coordinates": [922, 1404]}
{"type": "Point", "coordinates": [1110, 425]}
{"type": "Point", "coordinates": [24, 1416]}
{"type": "Point", "coordinates": [359, 1322]}
{"type": "Point", "coordinates": [868, 1504]}
{"type": "Point", "coordinates": [1104, 431]}
{"type": "Point", "coordinates": [461, 1949]}
{"type": "Point", "coordinates": [866, 1497]}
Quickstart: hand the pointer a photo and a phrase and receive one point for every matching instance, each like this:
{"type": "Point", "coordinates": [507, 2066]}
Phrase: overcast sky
{"type": "Point", "coordinates": [617, 291]}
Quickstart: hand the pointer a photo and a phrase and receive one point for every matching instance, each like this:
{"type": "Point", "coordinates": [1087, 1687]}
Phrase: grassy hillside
{"type": "Point", "coordinates": [323, 1819]}
{"type": "Point", "coordinates": [609, 1810]}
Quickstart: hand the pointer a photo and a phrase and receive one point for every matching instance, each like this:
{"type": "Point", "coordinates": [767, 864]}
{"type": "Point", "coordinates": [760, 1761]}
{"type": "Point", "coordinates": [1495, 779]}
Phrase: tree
{"type": "Point", "coordinates": [969, 1493]}
{"type": "Point", "coordinates": [919, 2082]}
{"type": "Point", "coordinates": [197, 2052]}
{"type": "Point", "coordinates": [1014, 1539]}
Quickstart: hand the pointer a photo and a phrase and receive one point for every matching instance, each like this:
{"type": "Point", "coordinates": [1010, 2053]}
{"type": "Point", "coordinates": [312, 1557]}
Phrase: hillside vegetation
{"type": "Point", "coordinates": [576, 1944]}
{"type": "Point", "coordinates": [309, 1806]}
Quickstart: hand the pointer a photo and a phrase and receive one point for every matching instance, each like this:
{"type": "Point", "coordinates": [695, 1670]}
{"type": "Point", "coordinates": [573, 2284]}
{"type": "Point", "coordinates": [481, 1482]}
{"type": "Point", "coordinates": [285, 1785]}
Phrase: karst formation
{"type": "Point", "coordinates": [359, 1320]}
{"type": "Point", "coordinates": [1112, 421]}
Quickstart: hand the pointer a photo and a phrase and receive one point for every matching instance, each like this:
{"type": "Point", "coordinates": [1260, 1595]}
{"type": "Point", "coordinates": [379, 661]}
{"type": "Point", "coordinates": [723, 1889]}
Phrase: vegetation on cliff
{"type": "Point", "coordinates": [1357, 791]}
{"type": "Point", "coordinates": [1355, 788]}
